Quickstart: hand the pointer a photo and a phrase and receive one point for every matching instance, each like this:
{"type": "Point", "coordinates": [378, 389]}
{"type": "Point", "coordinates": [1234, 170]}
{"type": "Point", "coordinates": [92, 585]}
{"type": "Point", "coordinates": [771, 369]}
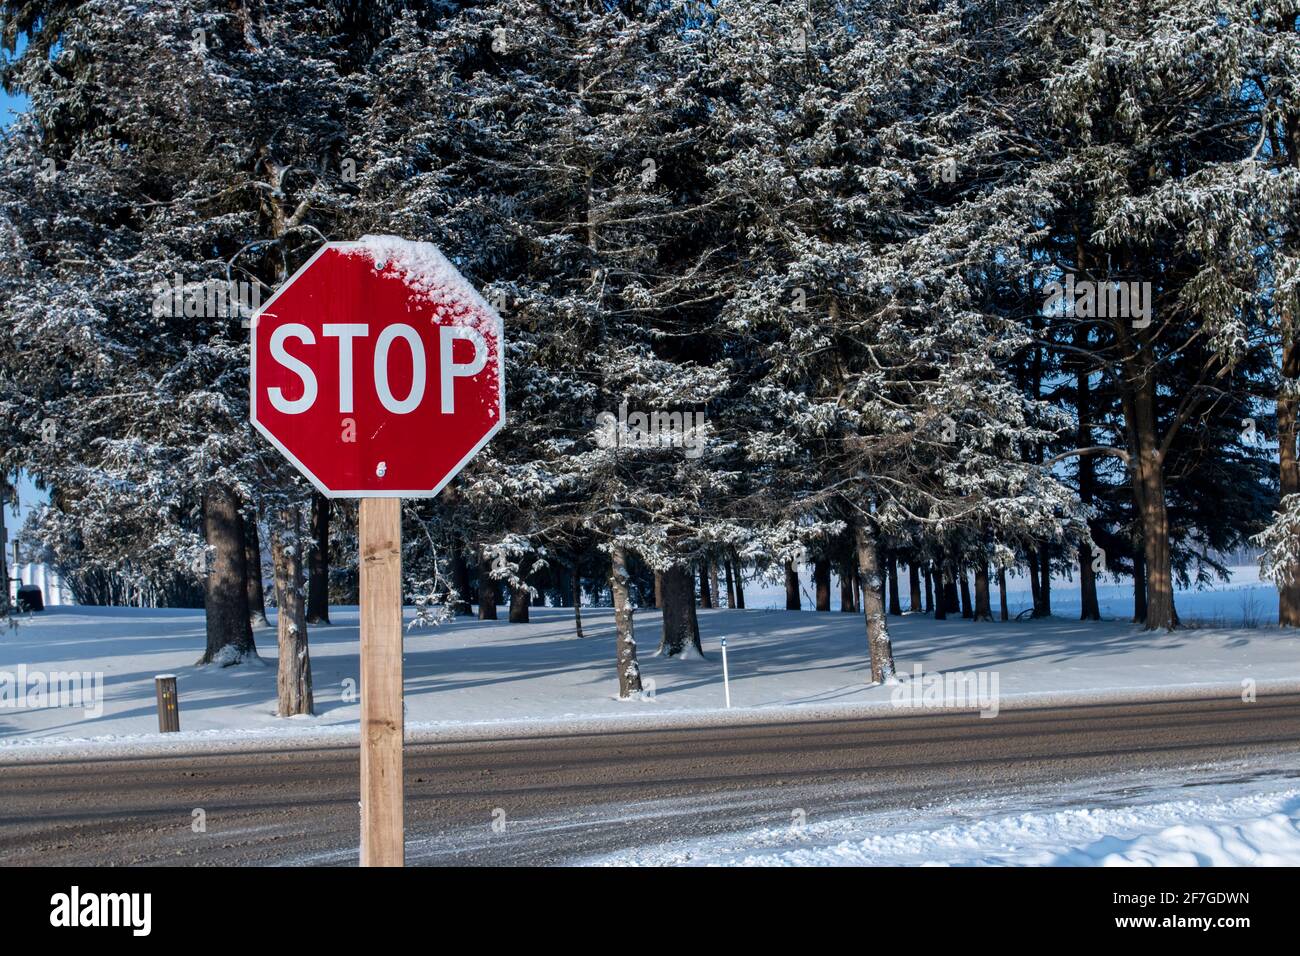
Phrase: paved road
{"type": "Point", "coordinates": [562, 797]}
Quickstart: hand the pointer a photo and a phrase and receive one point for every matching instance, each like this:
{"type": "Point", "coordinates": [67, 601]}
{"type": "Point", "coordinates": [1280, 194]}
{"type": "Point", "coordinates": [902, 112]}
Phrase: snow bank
{"type": "Point", "coordinates": [1222, 827]}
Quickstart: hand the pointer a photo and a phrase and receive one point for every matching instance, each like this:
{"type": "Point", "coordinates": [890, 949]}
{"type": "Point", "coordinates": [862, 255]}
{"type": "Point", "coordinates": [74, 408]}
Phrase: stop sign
{"type": "Point", "coordinates": [377, 369]}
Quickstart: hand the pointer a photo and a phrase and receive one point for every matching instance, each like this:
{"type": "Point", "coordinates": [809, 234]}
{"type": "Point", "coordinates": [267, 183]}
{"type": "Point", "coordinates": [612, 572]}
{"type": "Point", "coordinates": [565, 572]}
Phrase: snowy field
{"type": "Point", "coordinates": [481, 677]}
{"type": "Point", "coordinates": [1244, 599]}
{"type": "Point", "coordinates": [1222, 821]}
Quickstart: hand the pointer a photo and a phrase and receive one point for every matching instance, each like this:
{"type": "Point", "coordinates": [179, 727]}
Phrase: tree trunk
{"type": "Point", "coordinates": [822, 583]}
{"type": "Point", "coordinates": [895, 608]}
{"type": "Point", "coordinates": [1149, 494]}
{"type": "Point", "coordinates": [882, 652]}
{"type": "Point", "coordinates": [1002, 594]}
{"type": "Point", "coordinates": [848, 593]}
{"type": "Point", "coordinates": [706, 596]}
{"type": "Point", "coordinates": [318, 562]}
{"type": "Point", "coordinates": [1034, 587]}
{"type": "Point", "coordinates": [731, 583]}
{"type": "Point", "coordinates": [1041, 584]}
{"type": "Point", "coordinates": [293, 672]}
{"type": "Point", "coordinates": [1160, 611]}
{"type": "Point", "coordinates": [913, 587]}
{"type": "Point", "coordinates": [740, 582]}
{"type": "Point", "coordinates": [520, 599]}
{"type": "Point", "coordinates": [951, 597]}
{"type": "Point", "coordinates": [225, 594]}
{"type": "Point", "coordinates": [1091, 607]}
{"type": "Point", "coordinates": [460, 579]}
{"type": "Point", "coordinates": [791, 587]}
{"type": "Point", "coordinates": [715, 598]}
{"type": "Point", "coordinates": [1288, 591]}
{"type": "Point", "coordinates": [967, 611]}
{"type": "Point", "coordinates": [487, 590]}
{"type": "Point", "coordinates": [929, 589]}
{"type": "Point", "coordinates": [577, 598]}
{"type": "Point", "coordinates": [629, 673]}
{"type": "Point", "coordinates": [983, 606]}
{"type": "Point", "coordinates": [253, 569]}
{"type": "Point", "coordinates": [1045, 578]}
{"type": "Point", "coordinates": [1139, 588]}
{"type": "Point", "coordinates": [681, 629]}
{"type": "Point", "coordinates": [659, 589]}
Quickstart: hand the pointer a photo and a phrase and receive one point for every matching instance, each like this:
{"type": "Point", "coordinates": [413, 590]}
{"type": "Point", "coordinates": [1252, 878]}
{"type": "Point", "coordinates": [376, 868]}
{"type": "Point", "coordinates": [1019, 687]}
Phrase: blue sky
{"type": "Point", "coordinates": [9, 105]}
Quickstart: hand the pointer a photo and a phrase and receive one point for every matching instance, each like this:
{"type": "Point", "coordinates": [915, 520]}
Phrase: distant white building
{"type": "Point", "coordinates": [55, 592]}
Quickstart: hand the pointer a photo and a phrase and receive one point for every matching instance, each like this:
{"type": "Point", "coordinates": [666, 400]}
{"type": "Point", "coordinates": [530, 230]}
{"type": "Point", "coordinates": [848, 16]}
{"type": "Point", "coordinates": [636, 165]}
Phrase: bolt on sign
{"type": "Point", "coordinates": [378, 371]}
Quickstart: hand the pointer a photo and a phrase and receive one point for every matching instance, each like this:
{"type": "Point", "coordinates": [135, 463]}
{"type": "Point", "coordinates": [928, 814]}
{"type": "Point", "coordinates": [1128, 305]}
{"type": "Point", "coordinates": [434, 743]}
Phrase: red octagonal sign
{"type": "Point", "coordinates": [377, 369]}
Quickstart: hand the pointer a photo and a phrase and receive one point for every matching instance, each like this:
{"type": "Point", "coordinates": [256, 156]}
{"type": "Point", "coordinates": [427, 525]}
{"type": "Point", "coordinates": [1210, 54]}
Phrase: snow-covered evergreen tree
{"type": "Point", "coordinates": [170, 149]}
{"type": "Point", "coordinates": [881, 391]}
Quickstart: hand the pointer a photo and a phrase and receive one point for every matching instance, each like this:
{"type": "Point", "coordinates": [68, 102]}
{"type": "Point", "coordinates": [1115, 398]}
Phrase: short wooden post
{"type": "Point", "coordinates": [169, 705]}
{"type": "Point", "coordinates": [380, 533]}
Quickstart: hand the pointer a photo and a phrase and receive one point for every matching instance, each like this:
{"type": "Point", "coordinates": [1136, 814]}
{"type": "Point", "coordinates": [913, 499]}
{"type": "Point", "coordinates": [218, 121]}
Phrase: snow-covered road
{"type": "Point", "coordinates": [1034, 785]}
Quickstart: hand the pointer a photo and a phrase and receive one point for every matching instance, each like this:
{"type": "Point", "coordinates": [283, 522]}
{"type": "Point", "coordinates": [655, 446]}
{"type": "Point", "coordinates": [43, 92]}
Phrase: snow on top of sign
{"type": "Point", "coordinates": [426, 270]}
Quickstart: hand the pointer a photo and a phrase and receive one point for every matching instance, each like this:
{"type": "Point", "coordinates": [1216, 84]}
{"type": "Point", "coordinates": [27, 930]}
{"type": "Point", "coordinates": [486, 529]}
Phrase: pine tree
{"type": "Point", "coordinates": [881, 353]}
{"type": "Point", "coordinates": [145, 410]}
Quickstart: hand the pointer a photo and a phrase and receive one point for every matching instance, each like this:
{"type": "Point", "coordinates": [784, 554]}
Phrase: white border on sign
{"type": "Point", "coordinates": [320, 486]}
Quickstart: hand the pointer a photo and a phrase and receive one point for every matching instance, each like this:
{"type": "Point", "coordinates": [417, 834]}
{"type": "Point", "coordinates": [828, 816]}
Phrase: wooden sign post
{"type": "Point", "coordinates": [380, 533]}
{"type": "Point", "coordinates": [379, 372]}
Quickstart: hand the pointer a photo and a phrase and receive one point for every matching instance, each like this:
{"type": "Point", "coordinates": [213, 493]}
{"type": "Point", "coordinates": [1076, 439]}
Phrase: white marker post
{"type": "Point", "coordinates": [726, 680]}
